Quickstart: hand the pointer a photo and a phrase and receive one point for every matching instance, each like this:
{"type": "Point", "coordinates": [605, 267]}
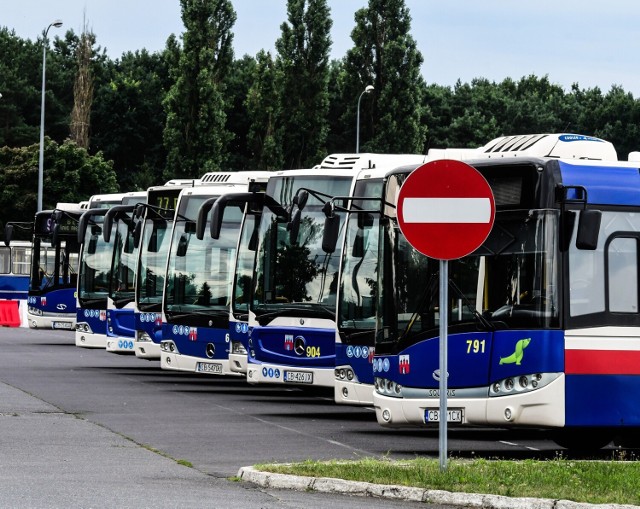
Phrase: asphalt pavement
{"type": "Point", "coordinates": [88, 429]}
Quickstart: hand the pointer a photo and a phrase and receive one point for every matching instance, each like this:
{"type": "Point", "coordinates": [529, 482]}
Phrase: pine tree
{"type": "Point", "coordinates": [303, 64]}
{"type": "Point", "coordinates": [385, 56]}
{"type": "Point", "coordinates": [195, 136]}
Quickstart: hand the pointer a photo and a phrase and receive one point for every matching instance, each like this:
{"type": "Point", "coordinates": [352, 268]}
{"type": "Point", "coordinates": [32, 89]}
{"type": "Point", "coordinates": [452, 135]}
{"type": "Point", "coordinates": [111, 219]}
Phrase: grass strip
{"type": "Point", "coordinates": [597, 482]}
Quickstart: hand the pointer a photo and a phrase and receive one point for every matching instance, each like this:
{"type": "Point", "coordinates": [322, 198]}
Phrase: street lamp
{"type": "Point", "coordinates": [57, 23]}
{"type": "Point", "coordinates": [368, 89]}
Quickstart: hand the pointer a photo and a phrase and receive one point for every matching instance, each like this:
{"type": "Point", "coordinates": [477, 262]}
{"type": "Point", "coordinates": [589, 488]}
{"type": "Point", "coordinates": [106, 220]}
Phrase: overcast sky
{"type": "Point", "coordinates": [584, 41]}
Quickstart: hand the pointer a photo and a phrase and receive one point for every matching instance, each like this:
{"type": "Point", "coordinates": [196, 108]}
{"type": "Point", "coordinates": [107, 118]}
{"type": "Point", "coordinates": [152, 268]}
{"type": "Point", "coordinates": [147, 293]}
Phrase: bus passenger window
{"type": "Point", "coordinates": [622, 270]}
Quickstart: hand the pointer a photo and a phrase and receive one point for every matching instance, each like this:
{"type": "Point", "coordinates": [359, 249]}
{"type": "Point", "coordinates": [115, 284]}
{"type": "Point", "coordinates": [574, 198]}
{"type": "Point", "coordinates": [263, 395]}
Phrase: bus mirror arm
{"type": "Point", "coordinates": [203, 213]}
{"type": "Point", "coordinates": [109, 218]}
{"type": "Point", "coordinates": [589, 222]}
{"type": "Point", "coordinates": [219, 205]}
{"type": "Point", "coordinates": [85, 218]}
{"type": "Point", "coordinates": [8, 234]}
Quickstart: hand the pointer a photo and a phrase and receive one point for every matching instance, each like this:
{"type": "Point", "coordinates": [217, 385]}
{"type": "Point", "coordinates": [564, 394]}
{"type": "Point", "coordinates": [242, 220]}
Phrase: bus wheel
{"type": "Point", "coordinates": [582, 439]}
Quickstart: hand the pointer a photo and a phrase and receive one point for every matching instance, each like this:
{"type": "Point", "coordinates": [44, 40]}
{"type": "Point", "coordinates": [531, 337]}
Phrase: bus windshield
{"type": "Point", "coordinates": [200, 272]}
{"type": "Point", "coordinates": [154, 247]}
{"type": "Point", "coordinates": [95, 265]}
{"type": "Point", "coordinates": [297, 276]}
{"type": "Point", "coordinates": [121, 289]}
{"type": "Point", "coordinates": [245, 263]}
{"type": "Point", "coordinates": [359, 278]}
{"type": "Point", "coordinates": [510, 282]}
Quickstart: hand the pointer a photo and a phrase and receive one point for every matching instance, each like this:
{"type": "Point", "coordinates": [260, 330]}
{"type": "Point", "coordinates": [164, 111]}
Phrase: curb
{"type": "Point", "coordinates": [366, 489]}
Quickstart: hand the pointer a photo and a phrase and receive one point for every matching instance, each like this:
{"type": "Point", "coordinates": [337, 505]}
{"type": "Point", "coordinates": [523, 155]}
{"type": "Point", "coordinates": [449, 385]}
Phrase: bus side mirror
{"type": "Point", "coordinates": [93, 245]}
{"type": "Point", "coordinates": [8, 234]}
{"type": "Point", "coordinates": [54, 236]}
{"type": "Point", "coordinates": [183, 243]}
{"type": "Point", "coordinates": [588, 229]}
{"type": "Point", "coordinates": [137, 232]}
{"type": "Point", "coordinates": [294, 226]}
{"type": "Point", "coordinates": [330, 234]}
{"type": "Point", "coordinates": [357, 250]}
{"type": "Point", "coordinates": [106, 230]}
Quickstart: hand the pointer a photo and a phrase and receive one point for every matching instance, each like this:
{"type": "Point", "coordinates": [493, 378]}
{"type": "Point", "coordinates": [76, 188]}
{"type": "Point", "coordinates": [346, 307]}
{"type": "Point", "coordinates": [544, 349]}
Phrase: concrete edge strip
{"type": "Point", "coordinates": [366, 489]}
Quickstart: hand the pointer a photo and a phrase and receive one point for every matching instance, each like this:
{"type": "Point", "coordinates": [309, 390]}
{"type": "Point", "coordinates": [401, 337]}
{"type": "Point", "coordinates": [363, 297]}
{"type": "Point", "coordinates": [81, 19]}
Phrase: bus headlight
{"type": "Point", "coordinates": [142, 337]}
{"type": "Point", "coordinates": [387, 387]}
{"type": "Point", "coordinates": [168, 346]}
{"type": "Point", "coordinates": [238, 348]}
{"type": "Point", "coordinates": [525, 383]}
{"type": "Point", "coordinates": [343, 373]}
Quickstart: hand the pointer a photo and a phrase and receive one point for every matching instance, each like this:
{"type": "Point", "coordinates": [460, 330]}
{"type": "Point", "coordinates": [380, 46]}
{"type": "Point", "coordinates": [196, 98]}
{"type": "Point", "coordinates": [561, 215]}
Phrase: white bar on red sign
{"type": "Point", "coordinates": [446, 210]}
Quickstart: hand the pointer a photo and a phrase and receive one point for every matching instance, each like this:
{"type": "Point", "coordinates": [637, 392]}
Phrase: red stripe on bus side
{"type": "Point", "coordinates": [602, 362]}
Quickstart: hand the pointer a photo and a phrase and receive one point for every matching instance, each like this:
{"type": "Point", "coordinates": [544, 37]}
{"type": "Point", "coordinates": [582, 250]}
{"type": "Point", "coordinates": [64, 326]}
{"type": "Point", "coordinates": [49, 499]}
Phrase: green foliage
{"type": "Point", "coordinates": [303, 63]}
{"type": "Point", "coordinates": [582, 481]}
{"type": "Point", "coordinates": [385, 56]}
{"type": "Point", "coordinates": [70, 175]}
{"type": "Point", "coordinates": [195, 134]}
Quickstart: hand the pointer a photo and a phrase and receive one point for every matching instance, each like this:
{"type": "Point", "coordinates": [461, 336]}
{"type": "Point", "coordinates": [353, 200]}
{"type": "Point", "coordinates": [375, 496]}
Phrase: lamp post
{"type": "Point", "coordinates": [57, 23]}
{"type": "Point", "coordinates": [368, 89]}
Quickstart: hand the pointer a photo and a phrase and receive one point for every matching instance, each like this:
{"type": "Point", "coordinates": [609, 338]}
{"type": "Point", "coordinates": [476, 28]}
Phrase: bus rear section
{"type": "Point", "coordinates": [543, 318]}
{"type": "Point", "coordinates": [54, 263]}
{"type": "Point", "coordinates": [199, 279]}
{"type": "Point", "coordinates": [292, 315]}
{"type": "Point", "coordinates": [15, 268]}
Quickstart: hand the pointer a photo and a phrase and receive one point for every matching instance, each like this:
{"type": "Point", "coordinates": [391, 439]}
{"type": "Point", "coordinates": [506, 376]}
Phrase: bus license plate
{"type": "Point", "coordinates": [301, 377]}
{"type": "Point", "coordinates": [433, 415]}
{"type": "Point", "coordinates": [209, 367]}
{"type": "Point", "coordinates": [62, 325]}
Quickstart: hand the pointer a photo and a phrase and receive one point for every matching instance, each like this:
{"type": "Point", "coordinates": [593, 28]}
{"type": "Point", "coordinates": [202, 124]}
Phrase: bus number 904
{"type": "Point", "coordinates": [313, 351]}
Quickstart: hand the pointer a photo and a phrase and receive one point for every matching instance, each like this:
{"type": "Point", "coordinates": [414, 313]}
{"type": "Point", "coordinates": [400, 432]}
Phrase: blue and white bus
{"type": "Point", "coordinates": [292, 312]}
{"type": "Point", "coordinates": [121, 294]}
{"type": "Point", "coordinates": [94, 272]}
{"type": "Point", "coordinates": [15, 267]}
{"type": "Point", "coordinates": [54, 264]}
{"type": "Point", "coordinates": [199, 278]}
{"type": "Point", "coordinates": [154, 238]}
{"type": "Point", "coordinates": [543, 318]}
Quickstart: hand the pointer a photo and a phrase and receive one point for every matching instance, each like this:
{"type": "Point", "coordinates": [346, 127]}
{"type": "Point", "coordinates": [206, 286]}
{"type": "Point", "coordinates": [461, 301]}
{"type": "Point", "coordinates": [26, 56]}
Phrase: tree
{"type": "Point", "coordinates": [263, 141]}
{"type": "Point", "coordinates": [128, 119]}
{"type": "Point", "coordinates": [195, 136]}
{"type": "Point", "coordinates": [303, 63]}
{"type": "Point", "coordinates": [385, 56]}
{"type": "Point", "coordinates": [71, 175]}
{"type": "Point", "coordinates": [82, 91]}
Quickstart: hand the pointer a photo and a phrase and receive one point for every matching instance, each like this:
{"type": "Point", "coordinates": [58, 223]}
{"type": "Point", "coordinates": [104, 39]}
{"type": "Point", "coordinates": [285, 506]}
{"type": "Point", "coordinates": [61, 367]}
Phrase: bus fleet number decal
{"type": "Point", "coordinates": [313, 351]}
{"type": "Point", "coordinates": [475, 345]}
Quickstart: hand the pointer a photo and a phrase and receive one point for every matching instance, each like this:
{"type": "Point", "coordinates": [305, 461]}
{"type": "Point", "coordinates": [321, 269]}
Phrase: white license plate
{"type": "Point", "coordinates": [62, 325]}
{"type": "Point", "coordinates": [300, 377]}
{"type": "Point", "coordinates": [209, 367]}
{"type": "Point", "coordinates": [433, 415]}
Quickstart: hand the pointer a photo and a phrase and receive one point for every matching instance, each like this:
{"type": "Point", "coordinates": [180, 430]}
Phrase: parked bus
{"type": "Point", "coordinates": [155, 220]}
{"type": "Point", "coordinates": [543, 318]}
{"type": "Point", "coordinates": [292, 312]}
{"type": "Point", "coordinates": [94, 272]}
{"type": "Point", "coordinates": [120, 298]}
{"type": "Point", "coordinates": [54, 265]}
{"type": "Point", "coordinates": [199, 278]}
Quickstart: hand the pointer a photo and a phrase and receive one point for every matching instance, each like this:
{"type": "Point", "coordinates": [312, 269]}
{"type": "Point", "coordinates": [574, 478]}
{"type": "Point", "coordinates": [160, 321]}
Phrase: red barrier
{"type": "Point", "coordinates": [9, 313]}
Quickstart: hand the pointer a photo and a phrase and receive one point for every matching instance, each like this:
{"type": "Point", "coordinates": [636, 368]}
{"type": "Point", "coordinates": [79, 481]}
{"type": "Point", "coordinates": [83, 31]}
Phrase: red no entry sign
{"type": "Point", "coordinates": [446, 209]}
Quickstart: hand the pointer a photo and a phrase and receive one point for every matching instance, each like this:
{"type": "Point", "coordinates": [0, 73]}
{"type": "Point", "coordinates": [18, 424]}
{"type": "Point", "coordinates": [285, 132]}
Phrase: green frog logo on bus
{"type": "Point", "coordinates": [518, 354]}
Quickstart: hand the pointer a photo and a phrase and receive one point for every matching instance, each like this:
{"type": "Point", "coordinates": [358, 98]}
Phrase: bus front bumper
{"type": "Point", "coordinates": [290, 375]}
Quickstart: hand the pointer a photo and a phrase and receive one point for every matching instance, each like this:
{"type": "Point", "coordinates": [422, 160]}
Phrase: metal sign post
{"type": "Point", "coordinates": [446, 211]}
{"type": "Point", "coordinates": [444, 318]}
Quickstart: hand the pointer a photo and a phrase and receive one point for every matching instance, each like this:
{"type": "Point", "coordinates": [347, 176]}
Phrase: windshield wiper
{"type": "Point", "coordinates": [213, 313]}
{"type": "Point", "coordinates": [485, 323]}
